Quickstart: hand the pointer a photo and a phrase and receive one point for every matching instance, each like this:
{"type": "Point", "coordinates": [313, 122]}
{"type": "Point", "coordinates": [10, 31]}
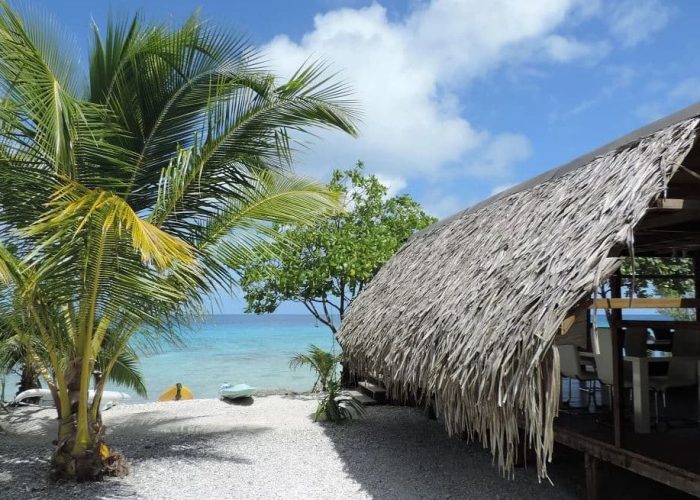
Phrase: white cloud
{"type": "Point", "coordinates": [635, 21]}
{"type": "Point", "coordinates": [393, 183]}
{"type": "Point", "coordinates": [441, 205]}
{"type": "Point", "coordinates": [686, 91]}
{"type": "Point", "coordinates": [619, 77]}
{"type": "Point", "coordinates": [407, 74]}
{"type": "Point", "coordinates": [563, 49]}
{"type": "Point", "coordinates": [499, 155]}
{"type": "Point", "coordinates": [672, 98]}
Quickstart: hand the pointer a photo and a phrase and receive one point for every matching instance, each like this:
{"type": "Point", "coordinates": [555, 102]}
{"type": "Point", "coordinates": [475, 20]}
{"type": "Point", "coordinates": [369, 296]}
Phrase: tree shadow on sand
{"type": "Point", "coordinates": [142, 438]}
{"type": "Point", "coordinates": [397, 453]}
{"type": "Point", "coordinates": [23, 420]}
{"type": "Point", "coordinates": [239, 401]}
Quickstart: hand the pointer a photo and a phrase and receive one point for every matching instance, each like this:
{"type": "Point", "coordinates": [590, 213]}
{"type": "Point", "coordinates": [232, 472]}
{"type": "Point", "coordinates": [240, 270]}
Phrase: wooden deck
{"type": "Point", "coordinates": [670, 454]}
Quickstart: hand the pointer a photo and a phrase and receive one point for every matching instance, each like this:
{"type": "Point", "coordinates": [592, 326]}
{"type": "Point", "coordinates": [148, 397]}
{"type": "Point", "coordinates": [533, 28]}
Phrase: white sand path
{"type": "Point", "coordinates": [209, 449]}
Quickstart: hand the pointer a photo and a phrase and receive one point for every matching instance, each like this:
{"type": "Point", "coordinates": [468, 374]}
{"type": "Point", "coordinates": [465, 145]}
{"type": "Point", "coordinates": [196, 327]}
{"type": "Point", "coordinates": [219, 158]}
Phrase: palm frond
{"type": "Point", "coordinates": [243, 226]}
{"type": "Point", "coordinates": [73, 207]}
{"type": "Point", "coordinates": [126, 372]}
{"type": "Point", "coordinates": [130, 192]}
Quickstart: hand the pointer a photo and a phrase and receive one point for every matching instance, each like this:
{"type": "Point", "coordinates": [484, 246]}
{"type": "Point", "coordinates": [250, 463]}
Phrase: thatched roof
{"type": "Point", "coordinates": [467, 311]}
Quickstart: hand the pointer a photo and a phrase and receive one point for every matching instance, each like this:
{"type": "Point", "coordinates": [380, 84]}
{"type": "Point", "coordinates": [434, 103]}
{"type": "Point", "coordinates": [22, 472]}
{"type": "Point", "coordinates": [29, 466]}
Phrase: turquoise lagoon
{"type": "Point", "coordinates": [241, 348]}
{"type": "Point", "coordinates": [235, 348]}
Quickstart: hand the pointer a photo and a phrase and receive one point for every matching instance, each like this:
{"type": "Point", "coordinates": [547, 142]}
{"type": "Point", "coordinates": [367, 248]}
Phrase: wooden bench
{"type": "Point", "coordinates": [376, 391]}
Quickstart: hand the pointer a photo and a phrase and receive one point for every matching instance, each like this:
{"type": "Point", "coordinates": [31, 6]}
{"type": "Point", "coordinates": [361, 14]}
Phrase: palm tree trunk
{"type": "Point", "coordinates": [29, 379]}
{"type": "Point", "coordinates": [81, 453]}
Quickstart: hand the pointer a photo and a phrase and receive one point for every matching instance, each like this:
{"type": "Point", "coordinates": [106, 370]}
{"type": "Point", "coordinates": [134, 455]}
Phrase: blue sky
{"type": "Point", "coordinates": [463, 98]}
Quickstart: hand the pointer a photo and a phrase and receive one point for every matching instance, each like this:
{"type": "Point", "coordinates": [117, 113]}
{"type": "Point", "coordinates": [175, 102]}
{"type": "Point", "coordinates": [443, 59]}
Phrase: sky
{"type": "Point", "coordinates": [460, 99]}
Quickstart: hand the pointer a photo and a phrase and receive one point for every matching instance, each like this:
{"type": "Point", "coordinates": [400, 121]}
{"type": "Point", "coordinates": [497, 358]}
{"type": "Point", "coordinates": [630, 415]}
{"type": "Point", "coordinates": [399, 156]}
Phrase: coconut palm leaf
{"type": "Point", "coordinates": [322, 362]}
{"type": "Point", "coordinates": [125, 371]}
{"type": "Point", "coordinates": [128, 192]}
{"type": "Point", "coordinates": [272, 199]}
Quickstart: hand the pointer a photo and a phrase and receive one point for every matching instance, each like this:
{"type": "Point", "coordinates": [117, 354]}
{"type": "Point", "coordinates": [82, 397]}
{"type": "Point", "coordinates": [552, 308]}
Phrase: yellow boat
{"type": "Point", "coordinates": [176, 393]}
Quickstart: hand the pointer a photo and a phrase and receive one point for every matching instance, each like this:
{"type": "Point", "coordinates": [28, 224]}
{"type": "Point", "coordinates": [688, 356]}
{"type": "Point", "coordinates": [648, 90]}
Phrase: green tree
{"type": "Point", "coordinates": [657, 276]}
{"type": "Point", "coordinates": [681, 285]}
{"type": "Point", "coordinates": [330, 262]}
{"type": "Point", "coordinates": [128, 189]}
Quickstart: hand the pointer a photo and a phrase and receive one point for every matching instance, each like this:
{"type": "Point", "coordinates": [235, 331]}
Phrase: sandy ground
{"type": "Point", "coordinates": [210, 449]}
{"type": "Point", "coordinates": [270, 448]}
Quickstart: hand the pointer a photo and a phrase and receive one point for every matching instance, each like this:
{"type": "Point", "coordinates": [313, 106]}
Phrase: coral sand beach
{"type": "Point", "coordinates": [270, 448]}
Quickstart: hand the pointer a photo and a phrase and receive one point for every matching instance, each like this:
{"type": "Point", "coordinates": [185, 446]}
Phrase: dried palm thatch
{"type": "Point", "coordinates": [467, 311]}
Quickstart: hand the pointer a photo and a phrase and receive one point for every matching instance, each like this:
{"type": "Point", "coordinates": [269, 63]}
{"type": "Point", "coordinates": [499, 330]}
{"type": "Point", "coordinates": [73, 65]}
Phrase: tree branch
{"type": "Point", "coordinates": [328, 316]}
{"type": "Point", "coordinates": [310, 307]}
{"type": "Point", "coordinates": [326, 301]}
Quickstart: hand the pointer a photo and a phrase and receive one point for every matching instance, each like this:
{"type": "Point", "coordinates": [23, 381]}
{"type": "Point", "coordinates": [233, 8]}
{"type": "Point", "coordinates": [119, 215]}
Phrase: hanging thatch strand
{"type": "Point", "coordinates": [467, 311]}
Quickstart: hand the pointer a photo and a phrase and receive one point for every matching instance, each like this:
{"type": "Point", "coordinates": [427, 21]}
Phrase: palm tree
{"type": "Point", "coordinates": [322, 362]}
{"type": "Point", "coordinates": [127, 192]}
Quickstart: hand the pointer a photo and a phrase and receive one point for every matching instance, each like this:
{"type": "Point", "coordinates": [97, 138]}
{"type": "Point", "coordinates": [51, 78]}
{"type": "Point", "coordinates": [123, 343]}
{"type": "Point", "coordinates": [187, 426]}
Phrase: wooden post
{"type": "Point", "coordinates": [591, 464]}
{"type": "Point", "coordinates": [589, 347]}
{"type": "Point", "coordinates": [640, 372]}
{"type": "Point", "coordinates": [618, 382]}
{"type": "Point", "coordinates": [696, 282]}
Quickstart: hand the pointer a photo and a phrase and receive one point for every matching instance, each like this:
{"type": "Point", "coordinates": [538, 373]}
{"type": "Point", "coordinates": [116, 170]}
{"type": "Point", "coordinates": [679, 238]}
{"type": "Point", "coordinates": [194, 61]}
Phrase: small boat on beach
{"type": "Point", "coordinates": [176, 392]}
{"type": "Point", "coordinates": [45, 395]}
{"type": "Point", "coordinates": [237, 391]}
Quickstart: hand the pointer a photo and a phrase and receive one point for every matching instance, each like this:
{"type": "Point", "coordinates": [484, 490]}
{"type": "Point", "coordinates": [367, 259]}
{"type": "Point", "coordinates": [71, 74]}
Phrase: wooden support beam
{"type": "Point", "coordinates": [660, 303]}
{"type": "Point", "coordinates": [671, 325]}
{"type": "Point", "coordinates": [568, 323]}
{"type": "Point", "coordinates": [591, 464]}
{"type": "Point", "coordinates": [658, 276]}
{"type": "Point", "coordinates": [696, 282]}
{"type": "Point", "coordinates": [663, 219]}
{"type": "Point", "coordinates": [618, 382]}
{"type": "Point", "coordinates": [664, 473]}
{"type": "Point", "coordinates": [676, 204]}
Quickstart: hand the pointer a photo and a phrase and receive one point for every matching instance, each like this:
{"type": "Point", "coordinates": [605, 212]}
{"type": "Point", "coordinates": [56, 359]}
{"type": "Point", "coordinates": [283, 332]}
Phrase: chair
{"type": "Point", "coordinates": [570, 367]}
{"type": "Point", "coordinates": [604, 361]}
{"type": "Point", "coordinates": [636, 342]}
{"type": "Point", "coordinates": [662, 338]}
{"type": "Point", "coordinates": [681, 372]}
{"type": "Point", "coordinates": [685, 342]}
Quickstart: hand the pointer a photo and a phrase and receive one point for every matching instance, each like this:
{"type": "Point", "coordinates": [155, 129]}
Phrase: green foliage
{"type": "Point", "coordinates": [659, 266]}
{"type": "Point", "coordinates": [324, 363]}
{"type": "Point", "coordinates": [333, 405]}
{"type": "Point", "coordinates": [128, 191]}
{"type": "Point", "coordinates": [337, 408]}
{"type": "Point", "coordinates": [329, 262]}
{"type": "Point", "coordinates": [658, 285]}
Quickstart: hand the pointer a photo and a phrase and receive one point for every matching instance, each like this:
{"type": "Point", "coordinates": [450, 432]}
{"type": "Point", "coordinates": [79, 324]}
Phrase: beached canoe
{"type": "Point", "coordinates": [237, 391]}
{"type": "Point", "coordinates": [176, 392]}
{"type": "Point", "coordinates": [45, 395]}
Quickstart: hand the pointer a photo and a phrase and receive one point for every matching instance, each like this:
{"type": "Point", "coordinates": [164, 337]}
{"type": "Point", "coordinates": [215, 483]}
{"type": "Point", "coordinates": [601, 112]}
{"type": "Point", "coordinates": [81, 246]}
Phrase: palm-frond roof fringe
{"type": "Point", "coordinates": [467, 311]}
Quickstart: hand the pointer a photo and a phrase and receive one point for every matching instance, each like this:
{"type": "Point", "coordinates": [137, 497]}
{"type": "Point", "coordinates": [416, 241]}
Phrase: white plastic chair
{"type": "Point", "coordinates": [681, 372]}
{"type": "Point", "coordinates": [604, 361]}
{"type": "Point", "coordinates": [570, 367]}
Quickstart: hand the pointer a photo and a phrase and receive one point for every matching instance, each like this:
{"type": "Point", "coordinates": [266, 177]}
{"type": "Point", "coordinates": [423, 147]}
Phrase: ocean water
{"type": "Point", "coordinates": [237, 348]}
{"type": "Point", "coordinates": [247, 349]}
{"type": "Point", "coordinates": [602, 319]}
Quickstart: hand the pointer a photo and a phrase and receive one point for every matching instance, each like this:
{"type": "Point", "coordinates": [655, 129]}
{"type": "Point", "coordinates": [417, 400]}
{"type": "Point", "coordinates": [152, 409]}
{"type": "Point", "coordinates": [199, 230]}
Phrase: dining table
{"type": "Point", "coordinates": [640, 383]}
